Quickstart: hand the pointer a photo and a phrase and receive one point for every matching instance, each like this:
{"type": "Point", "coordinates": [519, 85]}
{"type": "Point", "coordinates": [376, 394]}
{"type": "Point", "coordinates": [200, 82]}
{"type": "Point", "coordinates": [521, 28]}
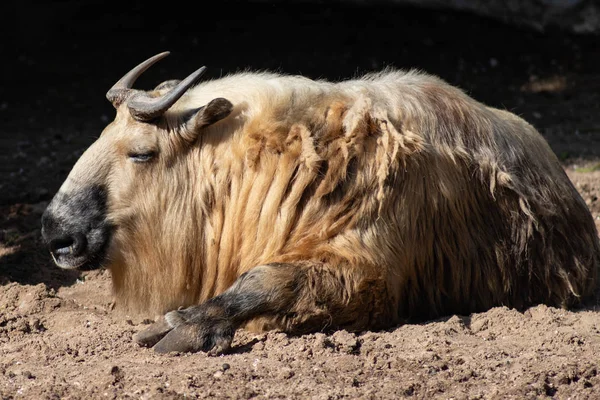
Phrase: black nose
{"type": "Point", "coordinates": [58, 238]}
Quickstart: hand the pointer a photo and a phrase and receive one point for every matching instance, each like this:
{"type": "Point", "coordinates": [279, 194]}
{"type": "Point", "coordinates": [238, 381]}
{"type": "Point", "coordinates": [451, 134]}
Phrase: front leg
{"type": "Point", "coordinates": [293, 297]}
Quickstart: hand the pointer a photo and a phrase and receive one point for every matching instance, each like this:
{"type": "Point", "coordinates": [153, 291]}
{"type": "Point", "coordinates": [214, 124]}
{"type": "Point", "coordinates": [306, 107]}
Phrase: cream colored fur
{"type": "Point", "coordinates": [456, 206]}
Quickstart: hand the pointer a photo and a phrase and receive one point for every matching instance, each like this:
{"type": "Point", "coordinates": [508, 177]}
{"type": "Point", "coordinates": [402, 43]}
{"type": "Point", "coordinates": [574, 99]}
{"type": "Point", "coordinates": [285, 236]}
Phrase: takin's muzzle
{"type": "Point", "coordinates": [75, 228]}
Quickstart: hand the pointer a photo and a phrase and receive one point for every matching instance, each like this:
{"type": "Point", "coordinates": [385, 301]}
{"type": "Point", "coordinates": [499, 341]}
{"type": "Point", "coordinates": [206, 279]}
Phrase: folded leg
{"type": "Point", "coordinates": [293, 297]}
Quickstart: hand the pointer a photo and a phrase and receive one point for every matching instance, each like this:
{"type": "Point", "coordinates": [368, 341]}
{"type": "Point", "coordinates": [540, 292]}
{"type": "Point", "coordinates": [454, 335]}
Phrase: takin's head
{"type": "Point", "coordinates": [124, 163]}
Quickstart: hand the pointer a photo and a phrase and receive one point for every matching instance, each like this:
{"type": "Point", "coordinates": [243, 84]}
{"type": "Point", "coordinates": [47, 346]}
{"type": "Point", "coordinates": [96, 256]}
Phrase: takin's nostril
{"type": "Point", "coordinates": [68, 245]}
{"type": "Point", "coordinates": [61, 246]}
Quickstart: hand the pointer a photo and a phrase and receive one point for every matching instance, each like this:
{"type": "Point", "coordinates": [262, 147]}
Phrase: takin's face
{"type": "Point", "coordinates": [125, 160]}
{"type": "Point", "coordinates": [76, 225]}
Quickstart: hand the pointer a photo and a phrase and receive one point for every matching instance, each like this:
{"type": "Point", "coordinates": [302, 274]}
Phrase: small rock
{"type": "Point", "coordinates": [28, 375]}
{"type": "Point", "coordinates": [36, 325]}
{"type": "Point", "coordinates": [346, 342]}
{"type": "Point", "coordinates": [286, 373]}
{"type": "Point", "coordinates": [117, 374]}
{"type": "Point", "coordinates": [22, 325]}
{"type": "Point", "coordinates": [259, 346]}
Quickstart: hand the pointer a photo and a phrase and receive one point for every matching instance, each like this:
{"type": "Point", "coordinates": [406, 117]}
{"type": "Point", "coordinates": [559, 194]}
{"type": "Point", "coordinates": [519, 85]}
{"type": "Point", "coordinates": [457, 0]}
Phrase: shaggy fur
{"type": "Point", "coordinates": [371, 201]}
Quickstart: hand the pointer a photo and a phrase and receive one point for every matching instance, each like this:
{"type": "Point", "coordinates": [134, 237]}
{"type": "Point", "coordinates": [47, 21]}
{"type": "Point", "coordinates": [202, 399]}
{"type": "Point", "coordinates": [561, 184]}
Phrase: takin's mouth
{"type": "Point", "coordinates": [65, 259]}
{"type": "Point", "coordinates": [68, 262]}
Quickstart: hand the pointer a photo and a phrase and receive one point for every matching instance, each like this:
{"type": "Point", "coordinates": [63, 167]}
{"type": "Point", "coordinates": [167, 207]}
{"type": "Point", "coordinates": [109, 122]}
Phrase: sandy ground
{"type": "Point", "coordinates": [60, 338]}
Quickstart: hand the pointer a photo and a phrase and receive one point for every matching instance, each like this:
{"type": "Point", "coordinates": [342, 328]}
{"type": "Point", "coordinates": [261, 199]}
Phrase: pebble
{"type": "Point", "coordinates": [286, 373]}
{"type": "Point", "coordinates": [28, 375]}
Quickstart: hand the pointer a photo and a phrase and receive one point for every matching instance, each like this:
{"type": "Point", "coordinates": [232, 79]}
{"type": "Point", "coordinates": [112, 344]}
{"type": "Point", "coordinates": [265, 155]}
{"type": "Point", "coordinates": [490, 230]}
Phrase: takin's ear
{"type": "Point", "coordinates": [170, 84]}
{"type": "Point", "coordinates": [209, 114]}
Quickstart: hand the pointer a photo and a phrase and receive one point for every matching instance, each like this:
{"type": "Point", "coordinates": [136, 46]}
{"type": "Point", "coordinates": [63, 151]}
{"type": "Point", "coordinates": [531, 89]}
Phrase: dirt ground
{"type": "Point", "coordinates": [60, 338]}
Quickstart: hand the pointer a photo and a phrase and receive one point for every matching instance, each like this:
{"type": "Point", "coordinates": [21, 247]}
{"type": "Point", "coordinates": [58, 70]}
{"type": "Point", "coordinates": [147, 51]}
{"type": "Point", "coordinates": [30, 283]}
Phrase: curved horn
{"type": "Point", "coordinates": [145, 108]}
{"type": "Point", "coordinates": [122, 89]}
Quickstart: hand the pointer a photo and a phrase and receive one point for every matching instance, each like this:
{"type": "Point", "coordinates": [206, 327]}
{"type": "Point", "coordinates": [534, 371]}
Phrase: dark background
{"type": "Point", "coordinates": [60, 58]}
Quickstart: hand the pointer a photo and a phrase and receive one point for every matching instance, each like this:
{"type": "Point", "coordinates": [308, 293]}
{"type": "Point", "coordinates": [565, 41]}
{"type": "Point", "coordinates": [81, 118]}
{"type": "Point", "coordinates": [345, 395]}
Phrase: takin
{"type": "Point", "coordinates": [267, 201]}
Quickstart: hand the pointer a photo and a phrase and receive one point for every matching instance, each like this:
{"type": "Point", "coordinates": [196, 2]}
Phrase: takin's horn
{"type": "Point", "coordinates": [145, 108]}
{"type": "Point", "coordinates": [122, 89]}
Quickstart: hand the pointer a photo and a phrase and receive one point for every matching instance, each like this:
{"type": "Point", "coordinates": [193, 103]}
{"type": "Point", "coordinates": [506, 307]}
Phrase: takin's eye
{"type": "Point", "coordinates": [142, 156]}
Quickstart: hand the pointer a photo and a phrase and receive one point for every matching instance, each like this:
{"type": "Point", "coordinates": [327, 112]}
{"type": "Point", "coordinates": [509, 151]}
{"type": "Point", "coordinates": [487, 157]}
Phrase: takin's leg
{"type": "Point", "coordinates": [293, 297]}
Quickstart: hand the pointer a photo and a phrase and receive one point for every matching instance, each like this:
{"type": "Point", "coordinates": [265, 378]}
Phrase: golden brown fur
{"type": "Point", "coordinates": [397, 195]}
